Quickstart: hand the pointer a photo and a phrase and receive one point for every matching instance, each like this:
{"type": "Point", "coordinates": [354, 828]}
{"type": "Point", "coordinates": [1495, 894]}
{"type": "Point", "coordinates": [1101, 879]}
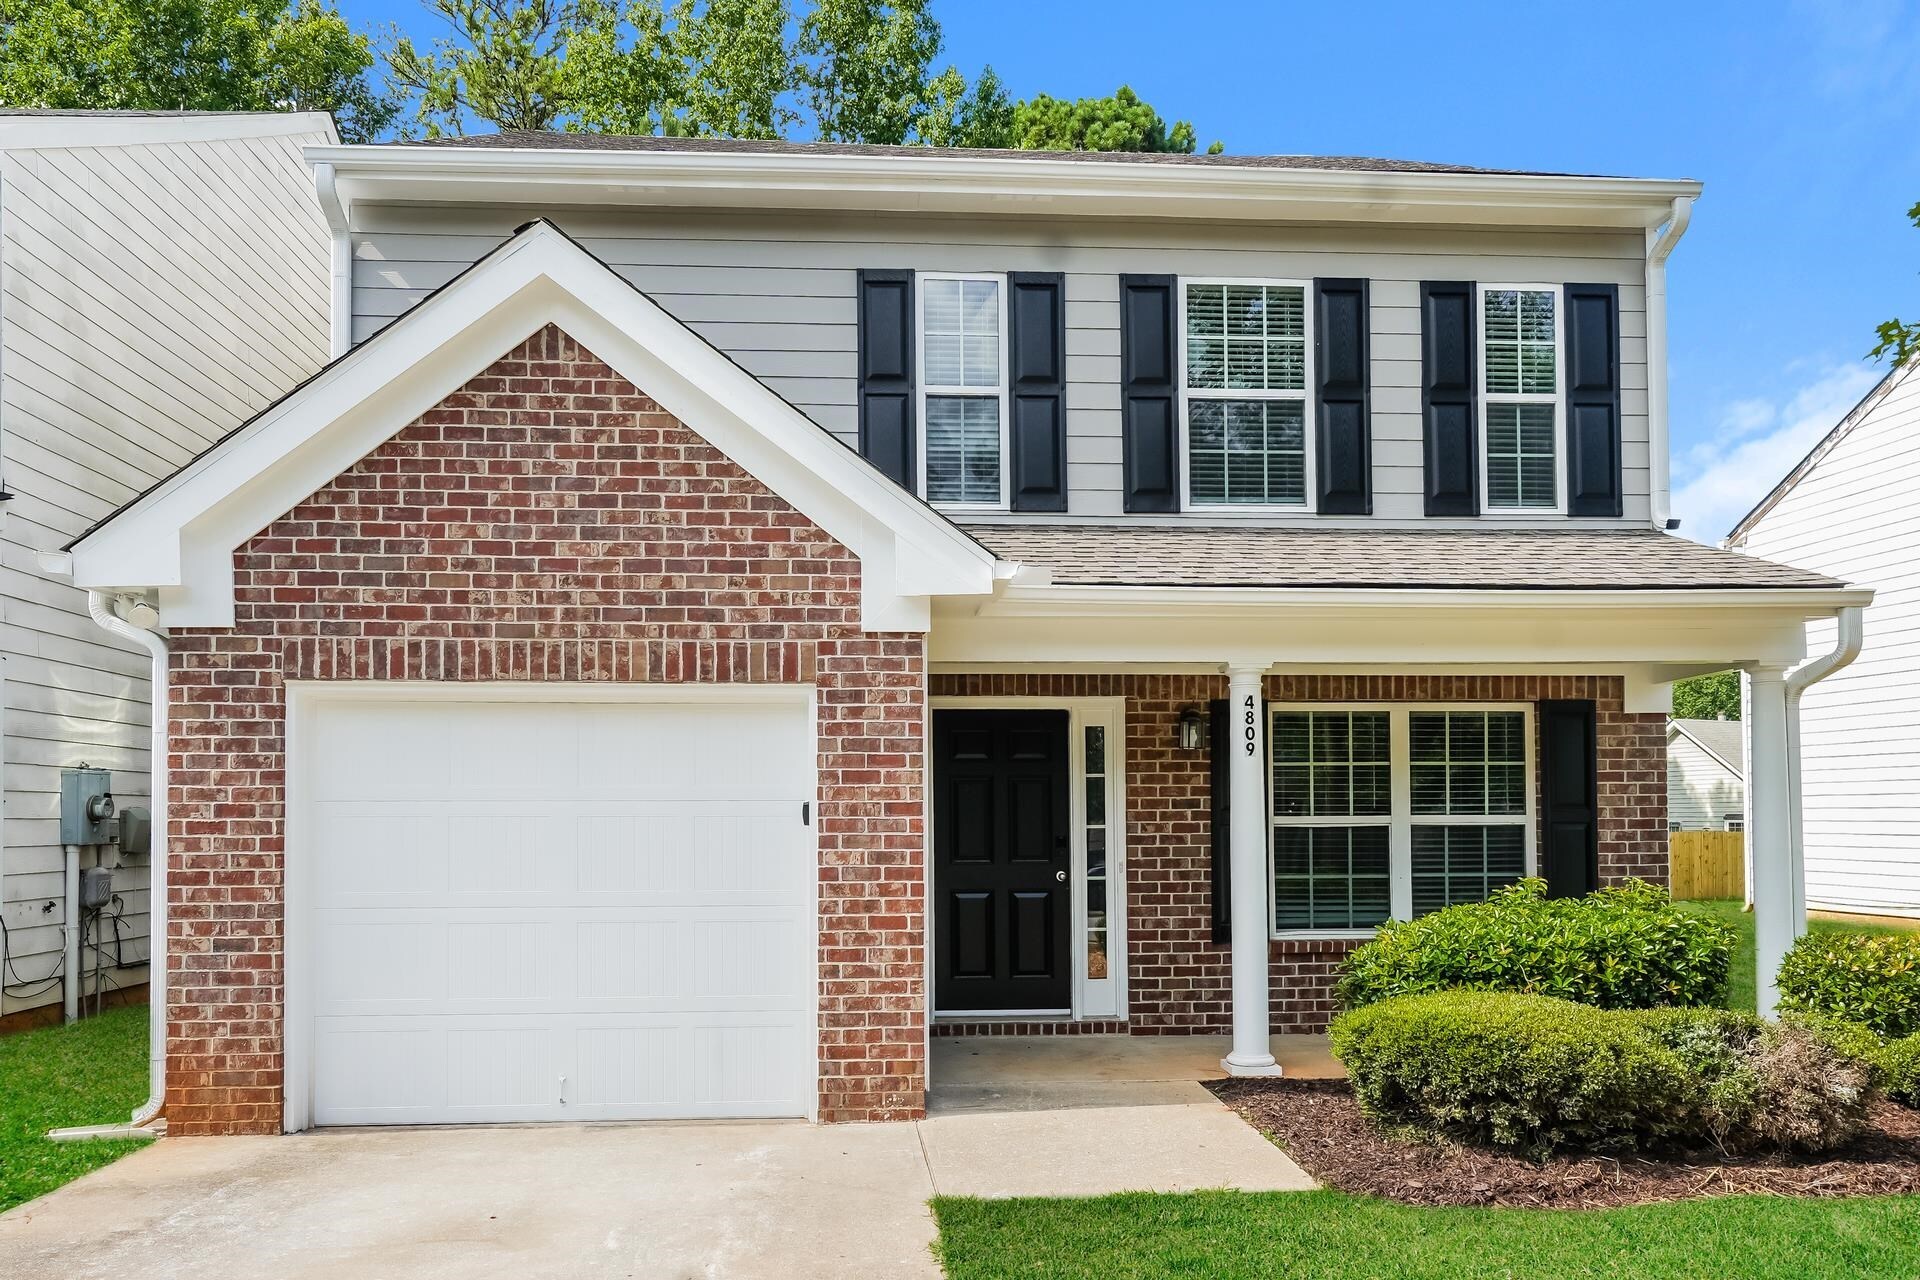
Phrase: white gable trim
{"type": "Point", "coordinates": [180, 538]}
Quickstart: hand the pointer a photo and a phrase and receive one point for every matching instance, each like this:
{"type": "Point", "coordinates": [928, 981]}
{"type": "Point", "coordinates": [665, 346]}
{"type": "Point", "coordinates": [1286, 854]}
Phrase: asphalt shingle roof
{"type": "Point", "coordinates": [548, 140]}
{"type": "Point", "coordinates": [1722, 737]}
{"type": "Point", "coordinates": [1489, 558]}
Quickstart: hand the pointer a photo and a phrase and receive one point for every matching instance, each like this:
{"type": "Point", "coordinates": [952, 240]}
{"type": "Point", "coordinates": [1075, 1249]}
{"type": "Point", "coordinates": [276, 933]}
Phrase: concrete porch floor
{"type": "Point", "coordinates": [1051, 1073]}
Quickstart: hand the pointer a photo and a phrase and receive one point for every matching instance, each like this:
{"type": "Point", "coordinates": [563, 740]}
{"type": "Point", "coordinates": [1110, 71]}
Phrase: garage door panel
{"type": "Point", "coordinates": [538, 911]}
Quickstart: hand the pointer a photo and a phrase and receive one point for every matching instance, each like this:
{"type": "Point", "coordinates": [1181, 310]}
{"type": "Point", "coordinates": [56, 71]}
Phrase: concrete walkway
{"type": "Point", "coordinates": [744, 1200]}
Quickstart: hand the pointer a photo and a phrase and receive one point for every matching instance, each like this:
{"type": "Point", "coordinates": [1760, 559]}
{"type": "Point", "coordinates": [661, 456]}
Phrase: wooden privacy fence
{"type": "Point", "coordinates": [1708, 864]}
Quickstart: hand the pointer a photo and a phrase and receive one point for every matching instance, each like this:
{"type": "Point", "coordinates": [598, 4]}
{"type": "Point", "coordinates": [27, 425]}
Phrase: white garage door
{"type": "Point", "coordinates": [555, 911]}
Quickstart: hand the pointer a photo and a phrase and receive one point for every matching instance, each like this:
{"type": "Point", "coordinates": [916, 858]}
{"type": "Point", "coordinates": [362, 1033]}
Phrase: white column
{"type": "Point", "coordinates": [1248, 859]}
{"type": "Point", "coordinates": [1776, 918]}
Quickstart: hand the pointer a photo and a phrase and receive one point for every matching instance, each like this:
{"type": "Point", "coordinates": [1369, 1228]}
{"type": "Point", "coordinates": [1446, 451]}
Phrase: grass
{"type": "Point", "coordinates": [93, 1072]}
{"type": "Point", "coordinates": [1740, 983]}
{"type": "Point", "coordinates": [1326, 1235]}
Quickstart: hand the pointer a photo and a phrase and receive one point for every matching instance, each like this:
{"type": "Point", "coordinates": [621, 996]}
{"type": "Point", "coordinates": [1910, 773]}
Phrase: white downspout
{"type": "Point", "coordinates": [100, 606]}
{"type": "Point", "coordinates": [1847, 644]}
{"type": "Point", "coordinates": [1660, 244]}
{"type": "Point", "coordinates": [335, 210]}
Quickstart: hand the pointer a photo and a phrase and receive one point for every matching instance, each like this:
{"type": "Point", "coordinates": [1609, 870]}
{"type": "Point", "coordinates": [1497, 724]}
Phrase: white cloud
{"type": "Point", "coordinates": [1755, 443]}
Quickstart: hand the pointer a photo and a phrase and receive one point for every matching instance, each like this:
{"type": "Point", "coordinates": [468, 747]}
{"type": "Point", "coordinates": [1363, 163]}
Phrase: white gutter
{"type": "Point", "coordinates": [100, 606]}
{"type": "Point", "coordinates": [341, 297]}
{"type": "Point", "coordinates": [1016, 599]}
{"type": "Point", "coordinates": [1847, 644]}
{"type": "Point", "coordinates": [1660, 245]}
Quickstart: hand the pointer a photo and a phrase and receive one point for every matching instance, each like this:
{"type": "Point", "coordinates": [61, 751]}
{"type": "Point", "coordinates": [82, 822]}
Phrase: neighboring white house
{"type": "Point", "coordinates": [163, 276]}
{"type": "Point", "coordinates": [1706, 776]}
{"type": "Point", "coordinates": [1847, 509]}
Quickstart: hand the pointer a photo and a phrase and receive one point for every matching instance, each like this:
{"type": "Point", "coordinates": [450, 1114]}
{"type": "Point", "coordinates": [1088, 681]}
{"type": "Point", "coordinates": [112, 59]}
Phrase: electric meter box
{"type": "Point", "coordinates": [86, 806]}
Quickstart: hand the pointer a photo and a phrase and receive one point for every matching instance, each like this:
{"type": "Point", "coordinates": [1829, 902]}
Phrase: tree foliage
{"type": "Point", "coordinates": [503, 63]}
{"type": "Point", "coordinates": [862, 67]}
{"type": "Point", "coordinates": [1714, 697]}
{"type": "Point", "coordinates": [1121, 122]}
{"type": "Point", "coordinates": [1898, 338]}
{"type": "Point", "coordinates": [191, 55]}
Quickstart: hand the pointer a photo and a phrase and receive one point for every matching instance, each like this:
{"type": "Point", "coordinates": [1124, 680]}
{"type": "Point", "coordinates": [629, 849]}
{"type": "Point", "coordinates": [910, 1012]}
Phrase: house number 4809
{"type": "Point", "coordinates": [1250, 727]}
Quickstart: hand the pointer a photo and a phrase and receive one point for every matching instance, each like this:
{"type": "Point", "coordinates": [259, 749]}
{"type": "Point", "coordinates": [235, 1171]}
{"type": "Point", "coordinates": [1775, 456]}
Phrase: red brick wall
{"type": "Point", "coordinates": [1179, 981]}
{"type": "Point", "coordinates": [546, 522]}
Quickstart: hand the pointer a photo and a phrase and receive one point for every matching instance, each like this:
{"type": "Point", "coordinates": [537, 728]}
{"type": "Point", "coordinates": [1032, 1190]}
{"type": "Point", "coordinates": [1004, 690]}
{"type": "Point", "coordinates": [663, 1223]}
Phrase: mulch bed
{"type": "Point", "coordinates": [1320, 1126]}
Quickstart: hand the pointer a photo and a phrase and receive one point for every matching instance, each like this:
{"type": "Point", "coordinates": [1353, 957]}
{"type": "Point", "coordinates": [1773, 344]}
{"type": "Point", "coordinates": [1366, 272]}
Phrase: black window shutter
{"type": "Point", "coordinates": [886, 373]}
{"type": "Point", "coordinates": [1570, 800]}
{"type": "Point", "coordinates": [1344, 443]}
{"type": "Point", "coordinates": [1593, 399]}
{"type": "Point", "coordinates": [1037, 356]}
{"type": "Point", "coordinates": [1220, 815]}
{"type": "Point", "coordinates": [1448, 398]}
{"type": "Point", "coordinates": [1149, 398]}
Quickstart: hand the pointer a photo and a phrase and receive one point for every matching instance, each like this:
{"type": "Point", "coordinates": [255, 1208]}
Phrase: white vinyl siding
{"type": "Point", "coordinates": [1522, 413]}
{"type": "Point", "coordinates": [1701, 791]}
{"type": "Point", "coordinates": [1244, 355]}
{"type": "Point", "coordinates": [777, 293]}
{"type": "Point", "coordinates": [152, 296]}
{"type": "Point", "coordinates": [1390, 812]}
{"type": "Point", "coordinates": [1853, 515]}
{"type": "Point", "coordinates": [962, 343]}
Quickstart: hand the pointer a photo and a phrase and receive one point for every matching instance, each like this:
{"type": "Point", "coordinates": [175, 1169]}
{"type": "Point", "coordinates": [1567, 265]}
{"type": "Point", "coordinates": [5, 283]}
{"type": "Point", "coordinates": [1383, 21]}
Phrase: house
{"type": "Point", "coordinates": [738, 610]}
{"type": "Point", "coordinates": [1706, 776]}
{"type": "Point", "coordinates": [163, 276]}
{"type": "Point", "coordinates": [1839, 512]}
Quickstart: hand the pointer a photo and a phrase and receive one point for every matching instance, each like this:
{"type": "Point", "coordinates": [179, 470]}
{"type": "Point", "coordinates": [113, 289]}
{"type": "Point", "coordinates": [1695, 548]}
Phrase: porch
{"type": "Point", "coordinates": [980, 1074]}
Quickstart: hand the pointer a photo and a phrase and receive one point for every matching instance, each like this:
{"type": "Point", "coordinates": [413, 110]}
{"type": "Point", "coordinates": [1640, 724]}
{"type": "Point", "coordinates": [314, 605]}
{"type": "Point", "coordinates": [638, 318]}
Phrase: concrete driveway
{"type": "Point", "coordinates": [738, 1200]}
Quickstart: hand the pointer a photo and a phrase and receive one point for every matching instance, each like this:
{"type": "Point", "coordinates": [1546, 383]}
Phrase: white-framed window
{"type": "Point", "coordinates": [1246, 369]}
{"type": "Point", "coordinates": [1388, 812]}
{"type": "Point", "coordinates": [1734, 822]}
{"type": "Point", "coordinates": [1522, 411]}
{"type": "Point", "coordinates": [963, 388]}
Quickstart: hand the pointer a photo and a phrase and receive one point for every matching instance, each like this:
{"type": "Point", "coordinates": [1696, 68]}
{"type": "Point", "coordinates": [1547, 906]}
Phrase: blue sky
{"type": "Point", "coordinates": [1799, 117]}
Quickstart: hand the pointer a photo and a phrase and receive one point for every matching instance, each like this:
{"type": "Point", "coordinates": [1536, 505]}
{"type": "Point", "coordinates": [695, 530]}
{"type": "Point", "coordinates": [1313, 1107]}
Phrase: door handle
{"type": "Point", "coordinates": [1061, 876]}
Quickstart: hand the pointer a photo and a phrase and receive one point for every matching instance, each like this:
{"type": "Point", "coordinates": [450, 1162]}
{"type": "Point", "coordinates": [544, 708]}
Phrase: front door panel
{"type": "Point", "coordinates": [1001, 861]}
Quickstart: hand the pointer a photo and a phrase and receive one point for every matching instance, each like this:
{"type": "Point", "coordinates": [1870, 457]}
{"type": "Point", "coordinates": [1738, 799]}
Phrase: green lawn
{"type": "Point", "coordinates": [1740, 984]}
{"type": "Point", "coordinates": [94, 1072]}
{"type": "Point", "coordinates": [1326, 1235]}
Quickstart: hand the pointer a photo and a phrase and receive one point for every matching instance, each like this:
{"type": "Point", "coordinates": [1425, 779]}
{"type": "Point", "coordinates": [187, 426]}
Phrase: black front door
{"type": "Point", "coordinates": [1001, 861]}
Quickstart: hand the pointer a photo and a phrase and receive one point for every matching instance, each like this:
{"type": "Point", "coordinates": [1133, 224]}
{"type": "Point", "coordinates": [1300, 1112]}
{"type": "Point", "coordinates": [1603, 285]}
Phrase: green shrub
{"type": "Point", "coordinates": [1540, 1074]}
{"type": "Point", "coordinates": [1871, 979]}
{"type": "Point", "coordinates": [1900, 1070]}
{"type": "Point", "coordinates": [1620, 948]}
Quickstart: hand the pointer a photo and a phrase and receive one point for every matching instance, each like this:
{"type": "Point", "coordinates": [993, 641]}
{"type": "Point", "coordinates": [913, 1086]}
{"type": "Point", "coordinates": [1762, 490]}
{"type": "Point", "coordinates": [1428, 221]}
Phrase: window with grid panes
{"type": "Point", "coordinates": [963, 371]}
{"type": "Point", "coordinates": [1246, 393]}
{"type": "Point", "coordinates": [1519, 339]}
{"type": "Point", "coordinates": [1388, 811]}
{"type": "Point", "coordinates": [1468, 771]}
{"type": "Point", "coordinates": [1331, 806]}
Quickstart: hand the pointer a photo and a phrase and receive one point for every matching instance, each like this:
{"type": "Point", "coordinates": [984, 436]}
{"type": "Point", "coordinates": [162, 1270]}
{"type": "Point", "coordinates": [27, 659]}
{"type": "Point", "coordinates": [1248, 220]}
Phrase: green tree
{"type": "Point", "coordinates": [1118, 123]}
{"type": "Point", "coordinates": [199, 55]}
{"type": "Point", "coordinates": [1898, 338]}
{"type": "Point", "coordinates": [722, 69]}
{"type": "Point", "coordinates": [862, 67]}
{"type": "Point", "coordinates": [504, 64]}
{"type": "Point", "coordinates": [1714, 697]}
{"type": "Point", "coordinates": [959, 115]}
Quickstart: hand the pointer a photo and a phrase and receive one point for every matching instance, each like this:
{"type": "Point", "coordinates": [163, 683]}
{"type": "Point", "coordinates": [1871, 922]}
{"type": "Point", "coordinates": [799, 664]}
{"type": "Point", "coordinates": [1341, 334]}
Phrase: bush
{"type": "Point", "coordinates": [1871, 979]}
{"type": "Point", "coordinates": [1900, 1070]}
{"type": "Point", "coordinates": [1620, 948]}
{"type": "Point", "coordinates": [1540, 1074]}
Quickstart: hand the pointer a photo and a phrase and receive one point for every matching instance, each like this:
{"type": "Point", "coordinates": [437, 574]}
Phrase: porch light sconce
{"type": "Point", "coordinates": [1193, 728]}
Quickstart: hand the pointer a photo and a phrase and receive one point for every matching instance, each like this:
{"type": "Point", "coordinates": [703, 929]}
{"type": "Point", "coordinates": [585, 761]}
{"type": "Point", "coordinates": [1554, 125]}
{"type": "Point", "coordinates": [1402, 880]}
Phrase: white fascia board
{"type": "Point", "coordinates": [131, 129]}
{"type": "Point", "coordinates": [949, 183]}
{"type": "Point", "coordinates": [180, 538]}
